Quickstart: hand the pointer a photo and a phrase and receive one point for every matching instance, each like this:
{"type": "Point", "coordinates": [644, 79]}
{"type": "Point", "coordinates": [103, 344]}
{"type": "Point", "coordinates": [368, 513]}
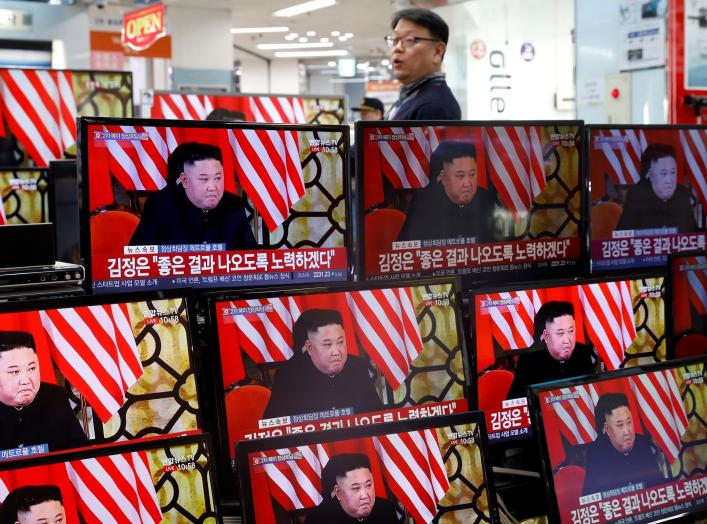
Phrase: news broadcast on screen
{"type": "Point", "coordinates": [532, 335]}
{"type": "Point", "coordinates": [432, 470]}
{"type": "Point", "coordinates": [627, 445]}
{"type": "Point", "coordinates": [24, 196]}
{"type": "Point", "coordinates": [94, 372]}
{"type": "Point", "coordinates": [204, 204]}
{"type": "Point", "coordinates": [648, 194]}
{"type": "Point", "coordinates": [338, 358]}
{"type": "Point", "coordinates": [485, 200]}
{"type": "Point", "coordinates": [160, 481]}
{"type": "Point", "coordinates": [688, 292]}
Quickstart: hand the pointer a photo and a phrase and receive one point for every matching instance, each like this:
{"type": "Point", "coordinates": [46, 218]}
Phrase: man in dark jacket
{"type": "Point", "coordinates": [321, 375]}
{"type": "Point", "coordinates": [658, 201]}
{"type": "Point", "coordinates": [349, 494]}
{"type": "Point", "coordinates": [193, 207]}
{"type": "Point", "coordinates": [452, 205]}
{"type": "Point", "coordinates": [556, 354]}
{"type": "Point", "coordinates": [618, 456]}
{"type": "Point", "coordinates": [32, 412]}
{"type": "Point", "coordinates": [418, 44]}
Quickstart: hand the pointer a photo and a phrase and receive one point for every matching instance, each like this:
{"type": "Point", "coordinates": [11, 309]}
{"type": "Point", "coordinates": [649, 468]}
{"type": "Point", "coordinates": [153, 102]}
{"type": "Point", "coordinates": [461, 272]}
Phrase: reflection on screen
{"type": "Point", "coordinates": [689, 303]}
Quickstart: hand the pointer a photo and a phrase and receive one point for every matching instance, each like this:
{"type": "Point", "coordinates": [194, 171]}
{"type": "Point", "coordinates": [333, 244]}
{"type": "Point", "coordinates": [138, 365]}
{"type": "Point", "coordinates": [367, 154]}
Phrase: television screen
{"type": "Point", "coordinates": [40, 107]}
{"type": "Point", "coordinates": [648, 194]}
{"type": "Point", "coordinates": [537, 334]}
{"type": "Point", "coordinates": [431, 470]}
{"type": "Point", "coordinates": [165, 480]}
{"type": "Point", "coordinates": [101, 370]}
{"type": "Point", "coordinates": [489, 201]}
{"type": "Point", "coordinates": [23, 196]}
{"type": "Point", "coordinates": [336, 357]}
{"type": "Point", "coordinates": [626, 445]}
{"type": "Point", "coordinates": [65, 209]}
{"type": "Point", "coordinates": [688, 298]}
{"type": "Point", "coordinates": [274, 109]}
{"type": "Point", "coordinates": [207, 204]}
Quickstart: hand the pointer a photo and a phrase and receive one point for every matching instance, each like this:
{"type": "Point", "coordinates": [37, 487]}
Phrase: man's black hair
{"type": "Point", "coordinates": [189, 153]}
{"type": "Point", "coordinates": [449, 151]}
{"type": "Point", "coordinates": [607, 403]}
{"type": "Point", "coordinates": [338, 466]}
{"type": "Point", "coordinates": [10, 340]}
{"type": "Point", "coordinates": [225, 115]}
{"type": "Point", "coordinates": [308, 322]}
{"type": "Point", "coordinates": [430, 20]}
{"type": "Point", "coordinates": [22, 499]}
{"type": "Point", "coordinates": [653, 153]}
{"type": "Point", "coordinates": [548, 312]}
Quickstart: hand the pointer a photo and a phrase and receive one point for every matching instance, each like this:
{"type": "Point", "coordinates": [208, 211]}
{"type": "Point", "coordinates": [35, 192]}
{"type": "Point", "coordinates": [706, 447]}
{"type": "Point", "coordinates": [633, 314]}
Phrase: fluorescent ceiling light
{"type": "Point", "coordinates": [303, 39]}
{"type": "Point", "coordinates": [311, 33]}
{"type": "Point", "coordinates": [311, 45]}
{"type": "Point", "coordinates": [324, 39]}
{"type": "Point", "coordinates": [305, 7]}
{"type": "Point", "coordinates": [331, 64]}
{"type": "Point", "coordinates": [385, 62]}
{"type": "Point", "coordinates": [310, 54]}
{"type": "Point", "coordinates": [246, 30]}
{"type": "Point", "coordinates": [335, 33]}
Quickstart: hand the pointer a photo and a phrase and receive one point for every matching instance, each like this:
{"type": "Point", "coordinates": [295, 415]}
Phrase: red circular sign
{"type": "Point", "coordinates": [478, 49]}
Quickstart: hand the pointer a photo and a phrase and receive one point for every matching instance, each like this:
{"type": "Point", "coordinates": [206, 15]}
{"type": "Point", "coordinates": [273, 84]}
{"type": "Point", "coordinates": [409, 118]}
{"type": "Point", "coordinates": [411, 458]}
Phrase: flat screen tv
{"type": "Point", "coordinates": [688, 300]}
{"type": "Point", "coordinates": [24, 196]}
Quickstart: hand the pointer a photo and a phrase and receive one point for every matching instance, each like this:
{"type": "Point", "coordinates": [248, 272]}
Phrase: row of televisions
{"type": "Point", "coordinates": [490, 202]}
{"type": "Point", "coordinates": [110, 401]}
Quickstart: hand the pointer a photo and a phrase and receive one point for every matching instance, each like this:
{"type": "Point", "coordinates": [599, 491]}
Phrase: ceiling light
{"type": "Point", "coordinates": [303, 39]}
{"type": "Point", "coordinates": [349, 35]}
{"type": "Point", "coordinates": [331, 64]}
{"type": "Point", "coordinates": [291, 36]}
{"type": "Point", "coordinates": [335, 33]}
{"type": "Point", "coordinates": [311, 45]}
{"type": "Point", "coordinates": [324, 39]}
{"type": "Point", "coordinates": [245, 30]}
{"type": "Point", "coordinates": [385, 62]}
{"type": "Point", "coordinates": [342, 39]}
{"type": "Point", "coordinates": [310, 54]}
{"type": "Point", "coordinates": [305, 7]}
{"type": "Point", "coordinates": [311, 33]}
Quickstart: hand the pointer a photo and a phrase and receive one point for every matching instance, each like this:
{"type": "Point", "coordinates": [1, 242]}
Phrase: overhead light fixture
{"type": "Point", "coordinates": [385, 62]}
{"type": "Point", "coordinates": [305, 7]}
{"type": "Point", "coordinates": [331, 64]}
{"type": "Point", "coordinates": [247, 30]}
{"type": "Point", "coordinates": [310, 54]}
{"type": "Point", "coordinates": [349, 35]}
{"type": "Point", "coordinates": [335, 33]}
{"type": "Point", "coordinates": [291, 36]}
{"type": "Point", "coordinates": [311, 45]}
{"type": "Point", "coordinates": [324, 39]}
{"type": "Point", "coordinates": [342, 38]}
{"type": "Point", "coordinates": [303, 39]}
{"type": "Point", "coordinates": [311, 33]}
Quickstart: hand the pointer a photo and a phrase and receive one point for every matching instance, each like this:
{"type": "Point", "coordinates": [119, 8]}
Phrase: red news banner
{"type": "Point", "coordinates": [510, 422]}
{"type": "Point", "coordinates": [410, 256]}
{"type": "Point", "coordinates": [155, 265]}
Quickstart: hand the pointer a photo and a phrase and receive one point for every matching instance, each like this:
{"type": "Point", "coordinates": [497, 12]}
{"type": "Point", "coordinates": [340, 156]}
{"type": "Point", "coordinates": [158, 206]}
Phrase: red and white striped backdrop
{"type": "Point", "coordinates": [278, 110]}
{"type": "Point", "coordinates": [415, 471]}
{"type": "Point", "coordinates": [174, 106]}
{"type": "Point", "coordinates": [406, 164]}
{"type": "Point", "coordinates": [694, 147]}
{"type": "Point", "coordinates": [115, 489]}
{"type": "Point", "coordinates": [297, 484]}
{"type": "Point", "coordinates": [576, 416]}
{"type": "Point", "coordinates": [610, 322]}
{"type": "Point", "coordinates": [622, 158]}
{"type": "Point", "coordinates": [269, 168]}
{"type": "Point", "coordinates": [512, 327]}
{"type": "Point", "coordinates": [95, 349]}
{"type": "Point", "coordinates": [40, 109]}
{"type": "Point", "coordinates": [697, 286]}
{"type": "Point", "coordinates": [4, 491]}
{"type": "Point", "coordinates": [516, 165]}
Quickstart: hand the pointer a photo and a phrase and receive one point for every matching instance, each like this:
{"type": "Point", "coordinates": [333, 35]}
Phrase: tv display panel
{"type": "Point", "coordinates": [101, 370]}
{"type": "Point", "coordinates": [272, 210]}
{"type": "Point", "coordinates": [629, 444]}
{"type": "Point", "coordinates": [488, 201]}
{"type": "Point", "coordinates": [648, 194]}
{"type": "Point", "coordinates": [165, 480]}
{"type": "Point", "coordinates": [40, 107]}
{"type": "Point", "coordinates": [23, 196]}
{"type": "Point", "coordinates": [544, 333]}
{"type": "Point", "coordinates": [65, 209]}
{"type": "Point", "coordinates": [688, 299]}
{"type": "Point", "coordinates": [379, 354]}
{"type": "Point", "coordinates": [274, 109]}
{"type": "Point", "coordinates": [431, 470]}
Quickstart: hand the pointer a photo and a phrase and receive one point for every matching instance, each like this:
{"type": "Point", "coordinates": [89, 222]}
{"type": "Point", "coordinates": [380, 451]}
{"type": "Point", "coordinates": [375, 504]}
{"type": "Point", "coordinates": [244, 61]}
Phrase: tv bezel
{"type": "Point", "coordinates": [82, 157]}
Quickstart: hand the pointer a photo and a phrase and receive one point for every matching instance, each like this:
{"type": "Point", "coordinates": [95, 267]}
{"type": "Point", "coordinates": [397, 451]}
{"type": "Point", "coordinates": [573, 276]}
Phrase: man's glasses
{"type": "Point", "coordinates": [406, 41]}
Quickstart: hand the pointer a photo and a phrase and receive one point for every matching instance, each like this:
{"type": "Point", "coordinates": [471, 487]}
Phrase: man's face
{"type": "Point", "coordinates": [356, 493]}
{"type": "Point", "coordinates": [203, 183]}
{"type": "Point", "coordinates": [19, 377]}
{"type": "Point", "coordinates": [327, 348]}
{"type": "Point", "coordinates": [619, 428]}
{"type": "Point", "coordinates": [370, 115]}
{"type": "Point", "coordinates": [663, 176]}
{"type": "Point", "coordinates": [49, 512]}
{"type": "Point", "coordinates": [560, 337]}
{"type": "Point", "coordinates": [459, 179]}
{"type": "Point", "coordinates": [416, 62]}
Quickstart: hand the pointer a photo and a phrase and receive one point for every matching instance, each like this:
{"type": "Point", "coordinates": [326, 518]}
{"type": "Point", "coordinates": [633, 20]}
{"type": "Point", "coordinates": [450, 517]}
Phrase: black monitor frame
{"type": "Point", "coordinates": [245, 448]}
{"type": "Point", "coordinates": [533, 397]}
{"type": "Point", "coordinates": [195, 358]}
{"type": "Point", "coordinates": [63, 166]}
{"type": "Point", "coordinates": [470, 281]}
{"type": "Point", "coordinates": [588, 129]}
{"type": "Point", "coordinates": [673, 258]}
{"type": "Point", "coordinates": [82, 148]}
{"type": "Point", "coordinates": [220, 427]}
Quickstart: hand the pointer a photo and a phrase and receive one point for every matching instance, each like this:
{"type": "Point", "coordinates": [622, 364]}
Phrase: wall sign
{"type": "Point", "coordinates": [143, 27]}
